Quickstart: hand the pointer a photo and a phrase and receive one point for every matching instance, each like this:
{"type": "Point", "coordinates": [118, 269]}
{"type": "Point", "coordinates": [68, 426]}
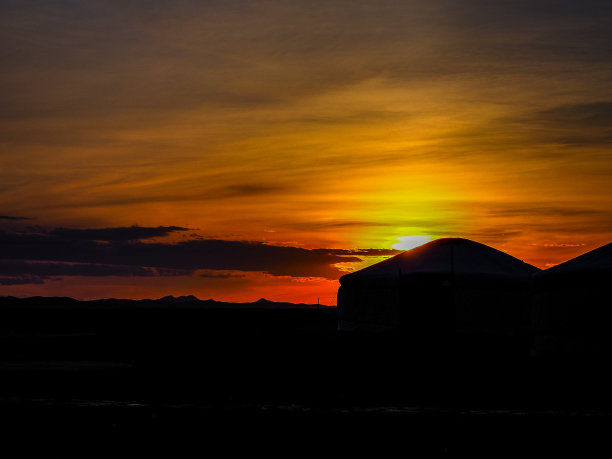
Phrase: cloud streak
{"type": "Point", "coordinates": [13, 218]}
{"type": "Point", "coordinates": [300, 124]}
{"type": "Point", "coordinates": [117, 252]}
{"type": "Point", "coordinates": [132, 233]}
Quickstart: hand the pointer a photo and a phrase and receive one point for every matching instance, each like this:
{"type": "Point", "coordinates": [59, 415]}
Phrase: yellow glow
{"type": "Point", "coordinates": [410, 242]}
{"type": "Point", "coordinates": [379, 127]}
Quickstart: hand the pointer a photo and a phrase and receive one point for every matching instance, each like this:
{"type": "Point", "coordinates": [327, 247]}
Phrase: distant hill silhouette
{"type": "Point", "coordinates": [264, 301]}
{"type": "Point", "coordinates": [183, 301]}
{"type": "Point", "coordinates": [179, 299]}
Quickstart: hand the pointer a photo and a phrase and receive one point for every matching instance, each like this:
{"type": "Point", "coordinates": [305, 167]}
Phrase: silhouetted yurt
{"type": "Point", "coordinates": [572, 310]}
{"type": "Point", "coordinates": [447, 285]}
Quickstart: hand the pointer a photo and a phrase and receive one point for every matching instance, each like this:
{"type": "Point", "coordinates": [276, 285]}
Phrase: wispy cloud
{"type": "Point", "coordinates": [131, 233]}
{"type": "Point", "coordinates": [10, 217]}
{"type": "Point", "coordinates": [334, 124]}
{"type": "Point", "coordinates": [119, 252]}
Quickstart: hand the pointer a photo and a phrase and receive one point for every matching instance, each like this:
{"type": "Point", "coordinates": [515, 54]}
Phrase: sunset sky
{"type": "Point", "coordinates": [244, 149]}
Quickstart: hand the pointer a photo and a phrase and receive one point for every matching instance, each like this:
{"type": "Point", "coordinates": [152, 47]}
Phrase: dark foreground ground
{"type": "Point", "coordinates": [282, 381]}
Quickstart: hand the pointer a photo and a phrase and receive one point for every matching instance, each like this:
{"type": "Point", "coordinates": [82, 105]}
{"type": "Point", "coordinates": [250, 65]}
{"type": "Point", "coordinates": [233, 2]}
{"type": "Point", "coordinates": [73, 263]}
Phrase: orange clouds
{"type": "Point", "coordinates": [342, 125]}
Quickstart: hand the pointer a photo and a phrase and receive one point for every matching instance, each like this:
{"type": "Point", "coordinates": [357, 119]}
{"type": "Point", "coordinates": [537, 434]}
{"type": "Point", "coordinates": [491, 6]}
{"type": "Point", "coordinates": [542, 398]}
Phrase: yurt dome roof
{"type": "Point", "coordinates": [596, 260]}
{"type": "Point", "coordinates": [447, 255]}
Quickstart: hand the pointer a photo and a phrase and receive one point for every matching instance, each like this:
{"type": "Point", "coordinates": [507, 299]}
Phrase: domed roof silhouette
{"type": "Point", "coordinates": [447, 255]}
{"type": "Point", "coordinates": [571, 307]}
{"type": "Point", "coordinates": [448, 284]}
{"type": "Point", "coordinates": [595, 260]}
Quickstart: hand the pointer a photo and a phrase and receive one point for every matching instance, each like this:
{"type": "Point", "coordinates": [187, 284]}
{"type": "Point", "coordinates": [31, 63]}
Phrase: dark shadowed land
{"type": "Point", "coordinates": [279, 377]}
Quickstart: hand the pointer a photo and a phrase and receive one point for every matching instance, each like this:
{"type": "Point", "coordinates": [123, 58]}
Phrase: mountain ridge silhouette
{"type": "Point", "coordinates": [168, 301]}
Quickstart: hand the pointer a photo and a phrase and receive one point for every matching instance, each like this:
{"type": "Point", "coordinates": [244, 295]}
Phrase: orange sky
{"type": "Point", "coordinates": [333, 125]}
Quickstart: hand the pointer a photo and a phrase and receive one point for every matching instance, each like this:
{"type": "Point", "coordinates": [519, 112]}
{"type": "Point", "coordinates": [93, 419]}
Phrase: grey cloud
{"type": "Point", "coordinates": [114, 253]}
{"type": "Point", "coordinates": [221, 275]}
{"type": "Point", "coordinates": [548, 30]}
{"type": "Point", "coordinates": [144, 51]}
{"type": "Point", "coordinates": [43, 270]}
{"type": "Point", "coordinates": [131, 233]}
{"type": "Point", "coordinates": [9, 217]}
{"type": "Point", "coordinates": [22, 280]}
{"type": "Point", "coordinates": [103, 60]}
{"type": "Point", "coordinates": [568, 126]}
{"type": "Point", "coordinates": [576, 124]}
{"type": "Point", "coordinates": [578, 115]}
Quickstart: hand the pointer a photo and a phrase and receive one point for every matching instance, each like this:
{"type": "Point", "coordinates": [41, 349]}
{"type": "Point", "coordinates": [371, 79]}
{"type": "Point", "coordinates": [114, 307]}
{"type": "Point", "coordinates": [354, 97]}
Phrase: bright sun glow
{"type": "Point", "coordinates": [410, 242]}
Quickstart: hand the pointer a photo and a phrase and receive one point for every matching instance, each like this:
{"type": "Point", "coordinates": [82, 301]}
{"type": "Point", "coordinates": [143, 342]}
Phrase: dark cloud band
{"type": "Point", "coordinates": [10, 217]}
{"type": "Point", "coordinates": [118, 252]}
{"type": "Point", "coordinates": [131, 233]}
